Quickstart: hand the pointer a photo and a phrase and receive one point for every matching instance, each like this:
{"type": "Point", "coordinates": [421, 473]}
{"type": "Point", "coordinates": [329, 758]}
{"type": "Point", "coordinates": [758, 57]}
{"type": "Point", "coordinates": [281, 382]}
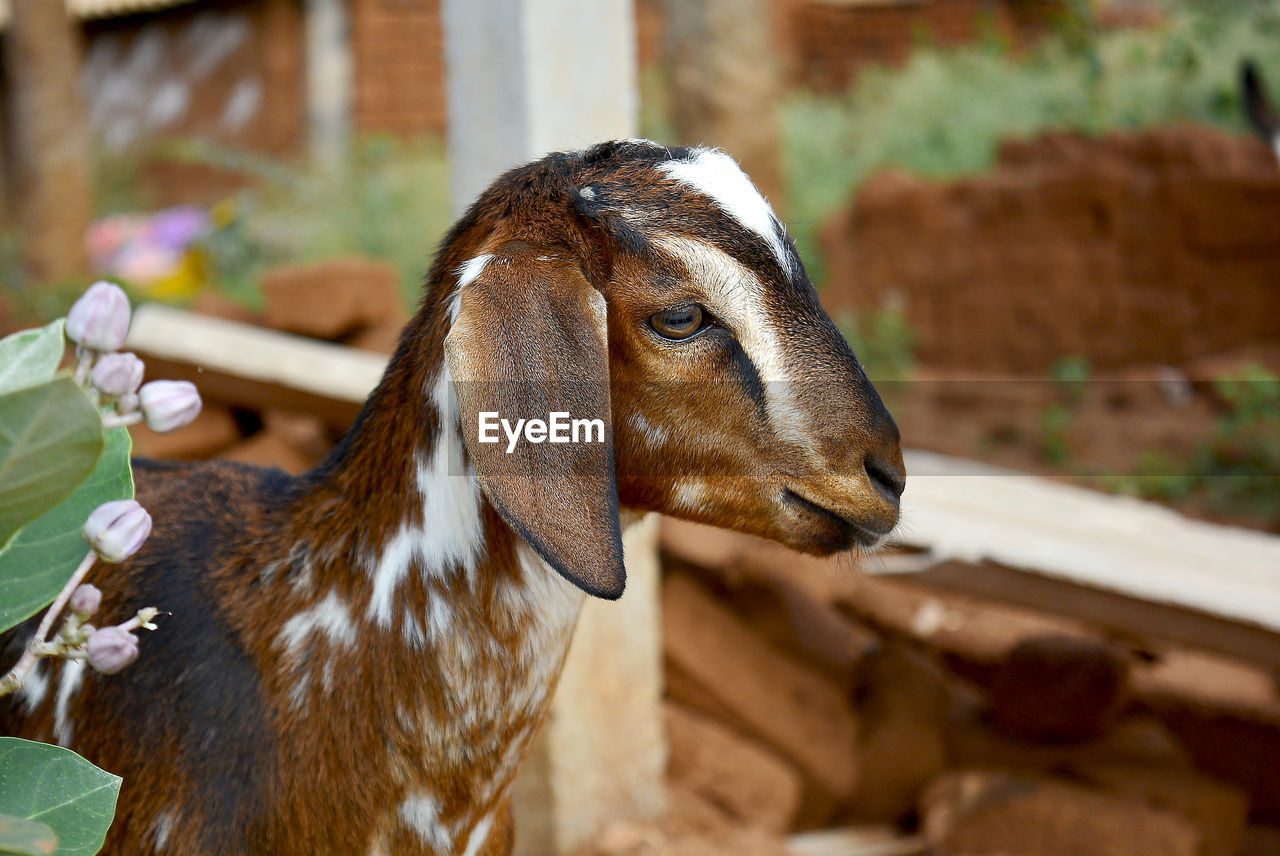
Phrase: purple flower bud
{"type": "Point", "coordinates": [118, 374]}
{"type": "Point", "coordinates": [99, 320]}
{"type": "Point", "coordinates": [85, 600]}
{"type": "Point", "coordinates": [169, 404]}
{"type": "Point", "coordinates": [111, 649]}
{"type": "Point", "coordinates": [117, 529]}
{"type": "Point", "coordinates": [127, 403]}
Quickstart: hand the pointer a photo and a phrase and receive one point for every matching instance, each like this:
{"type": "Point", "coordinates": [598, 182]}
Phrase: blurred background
{"type": "Point", "coordinates": [1051, 230]}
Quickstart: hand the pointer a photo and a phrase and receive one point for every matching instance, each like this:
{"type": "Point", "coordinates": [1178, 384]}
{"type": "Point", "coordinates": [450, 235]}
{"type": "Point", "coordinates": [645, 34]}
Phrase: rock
{"type": "Point", "coordinates": [903, 747]}
{"type": "Point", "coordinates": [268, 449]}
{"type": "Point", "coordinates": [971, 742]}
{"type": "Point", "coordinates": [214, 305]}
{"type": "Point", "coordinates": [304, 432]}
{"type": "Point", "coordinates": [332, 299]}
{"type": "Point", "coordinates": [382, 338]}
{"type": "Point", "coordinates": [971, 813]}
{"type": "Point", "coordinates": [750, 784]}
{"type": "Point", "coordinates": [1059, 688]}
{"type": "Point", "coordinates": [1217, 809]}
{"type": "Point", "coordinates": [1261, 841]}
{"type": "Point", "coordinates": [757, 689]}
{"type": "Point", "coordinates": [207, 435]}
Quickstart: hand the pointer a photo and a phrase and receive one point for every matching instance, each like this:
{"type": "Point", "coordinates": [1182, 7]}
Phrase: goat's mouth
{"type": "Point", "coordinates": [827, 531]}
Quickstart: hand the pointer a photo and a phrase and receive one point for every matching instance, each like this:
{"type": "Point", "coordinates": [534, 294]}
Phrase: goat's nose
{"type": "Point", "coordinates": [888, 477]}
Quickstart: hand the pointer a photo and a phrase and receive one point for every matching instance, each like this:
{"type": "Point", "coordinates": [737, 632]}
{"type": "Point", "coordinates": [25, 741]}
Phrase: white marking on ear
{"type": "Point", "coordinates": [68, 684]}
{"type": "Point", "coordinates": [479, 834]}
{"type": "Point", "coordinates": [330, 617]}
{"type": "Point", "coordinates": [713, 173]}
{"type": "Point", "coordinates": [35, 689]}
{"type": "Point", "coordinates": [421, 813]}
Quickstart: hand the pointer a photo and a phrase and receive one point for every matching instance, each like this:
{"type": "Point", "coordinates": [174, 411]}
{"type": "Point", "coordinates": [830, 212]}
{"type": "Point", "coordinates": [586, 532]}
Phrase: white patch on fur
{"type": "Point", "coordinates": [421, 813]}
{"type": "Point", "coordinates": [479, 834]}
{"type": "Point", "coordinates": [68, 685]}
{"type": "Point", "coordinates": [734, 293]}
{"type": "Point", "coordinates": [35, 689]}
{"type": "Point", "coordinates": [717, 175]}
{"type": "Point", "coordinates": [654, 435]}
{"type": "Point", "coordinates": [471, 269]}
{"type": "Point", "coordinates": [451, 532]}
{"type": "Point", "coordinates": [162, 829]}
{"type": "Point", "coordinates": [330, 617]}
{"type": "Point", "coordinates": [689, 496]}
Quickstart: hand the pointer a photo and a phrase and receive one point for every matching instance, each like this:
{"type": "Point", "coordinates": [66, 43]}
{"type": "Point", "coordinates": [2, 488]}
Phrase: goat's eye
{"type": "Point", "coordinates": [680, 322]}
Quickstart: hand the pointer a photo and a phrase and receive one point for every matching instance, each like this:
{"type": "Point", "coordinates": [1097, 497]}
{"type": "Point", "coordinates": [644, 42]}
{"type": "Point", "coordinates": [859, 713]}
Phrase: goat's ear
{"type": "Point", "coordinates": [531, 340]}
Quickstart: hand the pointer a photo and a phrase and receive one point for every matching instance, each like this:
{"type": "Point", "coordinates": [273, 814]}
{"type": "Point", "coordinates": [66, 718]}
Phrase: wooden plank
{"type": "Point", "coordinates": [1138, 621]}
{"type": "Point", "coordinates": [253, 367]}
{"type": "Point", "coordinates": [972, 512]}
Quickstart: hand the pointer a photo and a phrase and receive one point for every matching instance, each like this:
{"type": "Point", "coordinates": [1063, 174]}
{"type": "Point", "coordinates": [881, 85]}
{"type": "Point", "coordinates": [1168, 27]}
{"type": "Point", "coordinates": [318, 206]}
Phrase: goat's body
{"type": "Point", "coordinates": [357, 658]}
{"type": "Point", "coordinates": [405, 667]}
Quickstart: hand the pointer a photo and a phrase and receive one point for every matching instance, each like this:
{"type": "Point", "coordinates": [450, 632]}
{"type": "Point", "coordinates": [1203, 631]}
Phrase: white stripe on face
{"type": "Point", "coordinates": [718, 176]}
{"type": "Point", "coordinates": [736, 295]}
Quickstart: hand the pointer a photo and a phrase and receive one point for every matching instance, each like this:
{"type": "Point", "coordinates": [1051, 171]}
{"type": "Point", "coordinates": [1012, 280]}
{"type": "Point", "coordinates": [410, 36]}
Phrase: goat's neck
{"type": "Point", "coordinates": [416, 599]}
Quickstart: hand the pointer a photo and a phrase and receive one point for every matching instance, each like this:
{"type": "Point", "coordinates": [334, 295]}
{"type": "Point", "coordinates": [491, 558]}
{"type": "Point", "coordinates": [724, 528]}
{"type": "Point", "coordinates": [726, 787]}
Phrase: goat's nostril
{"type": "Point", "coordinates": [889, 481]}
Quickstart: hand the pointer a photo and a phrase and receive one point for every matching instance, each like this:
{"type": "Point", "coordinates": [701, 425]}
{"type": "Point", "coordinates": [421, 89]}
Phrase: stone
{"type": "Point", "coordinates": [758, 689]}
{"type": "Point", "coordinates": [1219, 810]}
{"type": "Point", "coordinates": [747, 782]}
{"type": "Point", "coordinates": [331, 299]}
{"type": "Point", "coordinates": [901, 707]}
{"type": "Point", "coordinates": [268, 449]}
{"type": "Point", "coordinates": [212, 431]}
{"type": "Point", "coordinates": [976, 813]}
{"type": "Point", "coordinates": [1059, 688]}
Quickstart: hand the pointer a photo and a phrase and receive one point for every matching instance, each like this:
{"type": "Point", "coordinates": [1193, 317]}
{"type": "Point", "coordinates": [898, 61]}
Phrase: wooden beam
{"type": "Point", "coordinates": [965, 510]}
{"type": "Point", "coordinates": [252, 367]}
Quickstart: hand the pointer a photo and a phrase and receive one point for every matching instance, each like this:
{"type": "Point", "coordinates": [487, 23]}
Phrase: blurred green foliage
{"type": "Point", "coordinates": [1235, 472]}
{"type": "Point", "coordinates": [945, 113]}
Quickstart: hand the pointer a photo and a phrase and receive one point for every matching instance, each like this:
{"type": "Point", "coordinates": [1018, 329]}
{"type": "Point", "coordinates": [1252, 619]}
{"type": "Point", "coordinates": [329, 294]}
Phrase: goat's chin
{"type": "Point", "coordinates": [820, 531]}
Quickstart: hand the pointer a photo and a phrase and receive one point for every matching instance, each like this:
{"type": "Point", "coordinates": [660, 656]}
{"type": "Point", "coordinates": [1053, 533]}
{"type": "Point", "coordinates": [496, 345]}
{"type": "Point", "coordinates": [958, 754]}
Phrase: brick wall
{"type": "Point", "coordinates": [398, 51]}
{"type": "Point", "coordinates": [1158, 247]}
{"type": "Point", "coordinates": [832, 41]}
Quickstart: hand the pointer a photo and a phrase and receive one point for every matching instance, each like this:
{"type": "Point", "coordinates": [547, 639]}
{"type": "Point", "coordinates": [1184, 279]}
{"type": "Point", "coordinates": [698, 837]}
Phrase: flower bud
{"type": "Point", "coordinates": [169, 404]}
{"type": "Point", "coordinates": [127, 403]}
{"type": "Point", "coordinates": [99, 320]}
{"type": "Point", "coordinates": [85, 600]}
{"type": "Point", "coordinates": [118, 374]}
{"type": "Point", "coordinates": [117, 529]}
{"type": "Point", "coordinates": [111, 649]}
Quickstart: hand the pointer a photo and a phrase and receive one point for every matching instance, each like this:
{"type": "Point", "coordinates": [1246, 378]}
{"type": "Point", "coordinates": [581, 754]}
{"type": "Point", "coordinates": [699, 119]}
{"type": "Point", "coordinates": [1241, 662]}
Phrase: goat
{"type": "Point", "coordinates": [359, 656]}
{"type": "Point", "coordinates": [1257, 104]}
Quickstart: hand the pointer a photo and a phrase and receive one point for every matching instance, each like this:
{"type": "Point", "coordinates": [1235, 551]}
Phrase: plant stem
{"type": "Point", "coordinates": [16, 677]}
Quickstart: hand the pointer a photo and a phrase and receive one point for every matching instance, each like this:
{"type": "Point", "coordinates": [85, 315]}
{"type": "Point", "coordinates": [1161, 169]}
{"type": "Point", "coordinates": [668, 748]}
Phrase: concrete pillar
{"type": "Point", "coordinates": [601, 756]}
{"type": "Point", "coordinates": [330, 82]}
{"type": "Point", "coordinates": [527, 77]}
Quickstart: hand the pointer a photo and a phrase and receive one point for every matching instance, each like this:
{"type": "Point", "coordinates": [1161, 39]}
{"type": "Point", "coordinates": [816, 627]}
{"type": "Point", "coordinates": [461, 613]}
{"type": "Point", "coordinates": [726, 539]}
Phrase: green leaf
{"type": "Point", "coordinates": [55, 786]}
{"type": "Point", "coordinates": [26, 837]}
{"type": "Point", "coordinates": [30, 357]}
{"type": "Point", "coordinates": [42, 557]}
{"type": "Point", "coordinates": [50, 439]}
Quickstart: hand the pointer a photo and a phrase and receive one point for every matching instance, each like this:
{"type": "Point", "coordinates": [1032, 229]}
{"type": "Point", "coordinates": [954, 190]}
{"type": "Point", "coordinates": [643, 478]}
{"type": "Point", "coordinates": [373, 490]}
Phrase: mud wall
{"type": "Point", "coordinates": [1157, 247]}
